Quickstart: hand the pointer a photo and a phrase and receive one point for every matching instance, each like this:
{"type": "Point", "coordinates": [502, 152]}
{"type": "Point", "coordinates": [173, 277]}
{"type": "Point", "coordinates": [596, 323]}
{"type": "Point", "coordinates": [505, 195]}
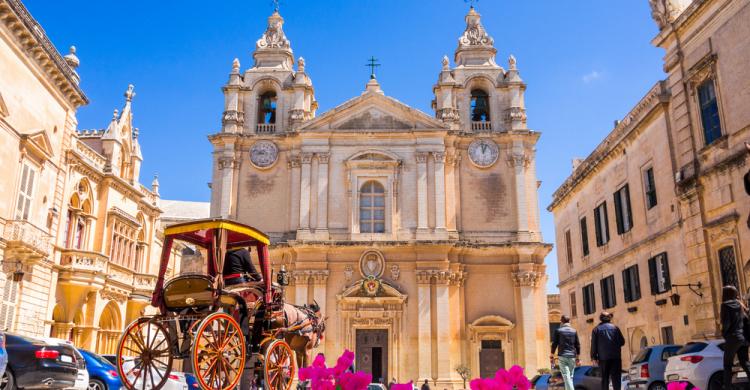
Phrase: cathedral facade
{"type": "Point", "coordinates": [417, 234]}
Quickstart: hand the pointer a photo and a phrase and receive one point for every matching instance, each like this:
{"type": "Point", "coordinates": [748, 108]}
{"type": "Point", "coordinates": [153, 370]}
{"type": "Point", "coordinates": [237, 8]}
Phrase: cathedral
{"type": "Point", "coordinates": [418, 234]}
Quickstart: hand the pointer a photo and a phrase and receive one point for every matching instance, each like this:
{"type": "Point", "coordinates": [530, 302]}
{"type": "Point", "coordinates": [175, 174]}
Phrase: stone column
{"type": "Point", "coordinates": [519, 161]}
{"type": "Point", "coordinates": [320, 281]}
{"type": "Point", "coordinates": [304, 200]}
{"type": "Point", "coordinates": [62, 330]}
{"type": "Point", "coordinates": [443, 323]}
{"type": "Point", "coordinates": [227, 164]}
{"type": "Point", "coordinates": [422, 205]}
{"type": "Point", "coordinates": [301, 280]}
{"type": "Point", "coordinates": [294, 191]}
{"type": "Point", "coordinates": [439, 158]}
{"type": "Point", "coordinates": [424, 335]}
{"type": "Point", "coordinates": [526, 280]}
{"type": "Point", "coordinates": [321, 231]}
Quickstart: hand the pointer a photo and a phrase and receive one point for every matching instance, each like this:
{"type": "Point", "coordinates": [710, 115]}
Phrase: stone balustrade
{"type": "Point", "coordinates": [90, 155]}
{"type": "Point", "coordinates": [265, 128]}
{"type": "Point", "coordinates": [144, 282]}
{"type": "Point", "coordinates": [78, 260]}
{"type": "Point", "coordinates": [26, 236]}
{"type": "Point", "coordinates": [481, 126]}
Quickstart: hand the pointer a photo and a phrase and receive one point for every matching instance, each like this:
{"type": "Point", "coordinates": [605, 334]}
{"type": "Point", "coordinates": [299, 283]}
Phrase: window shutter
{"type": "Point", "coordinates": [626, 285]}
{"type": "Point", "coordinates": [598, 227]}
{"type": "Point", "coordinates": [628, 211]}
{"type": "Point", "coordinates": [606, 223]}
{"type": "Point", "coordinates": [637, 283]}
{"type": "Point", "coordinates": [652, 276]}
{"type": "Point", "coordinates": [618, 213]}
{"type": "Point", "coordinates": [665, 271]}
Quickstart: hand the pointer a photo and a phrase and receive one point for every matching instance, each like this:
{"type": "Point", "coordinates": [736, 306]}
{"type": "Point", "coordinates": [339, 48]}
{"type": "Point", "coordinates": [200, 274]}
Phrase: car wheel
{"type": "Point", "coordinates": [8, 382]}
{"type": "Point", "coordinates": [657, 386]}
{"type": "Point", "coordinates": [95, 384]}
{"type": "Point", "coordinates": [716, 381]}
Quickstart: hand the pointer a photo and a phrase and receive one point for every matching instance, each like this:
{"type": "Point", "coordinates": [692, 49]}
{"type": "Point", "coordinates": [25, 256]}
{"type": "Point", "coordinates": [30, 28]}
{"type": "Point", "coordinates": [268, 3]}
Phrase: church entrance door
{"type": "Point", "coordinates": [491, 358]}
{"type": "Point", "coordinates": [372, 353]}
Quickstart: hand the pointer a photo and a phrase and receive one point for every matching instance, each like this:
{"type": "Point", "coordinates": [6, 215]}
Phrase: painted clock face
{"type": "Point", "coordinates": [483, 152]}
{"type": "Point", "coordinates": [263, 154]}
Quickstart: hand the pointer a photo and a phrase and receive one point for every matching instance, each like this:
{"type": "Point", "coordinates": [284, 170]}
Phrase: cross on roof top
{"type": "Point", "coordinates": [471, 2]}
{"type": "Point", "coordinates": [275, 5]}
{"type": "Point", "coordinates": [372, 65]}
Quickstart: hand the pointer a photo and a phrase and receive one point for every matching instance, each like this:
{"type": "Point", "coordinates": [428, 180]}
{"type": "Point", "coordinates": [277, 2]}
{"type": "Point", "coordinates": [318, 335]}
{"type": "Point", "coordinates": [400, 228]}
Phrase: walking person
{"type": "Point", "coordinates": [565, 342]}
{"type": "Point", "coordinates": [734, 317]}
{"type": "Point", "coordinates": [606, 345]}
{"type": "Point", "coordinates": [425, 385]}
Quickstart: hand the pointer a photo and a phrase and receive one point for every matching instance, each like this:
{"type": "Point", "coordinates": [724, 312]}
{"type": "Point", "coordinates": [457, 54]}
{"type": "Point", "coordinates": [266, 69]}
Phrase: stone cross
{"type": "Point", "coordinates": [471, 2]}
{"type": "Point", "coordinates": [372, 65]}
{"type": "Point", "coordinates": [276, 5]}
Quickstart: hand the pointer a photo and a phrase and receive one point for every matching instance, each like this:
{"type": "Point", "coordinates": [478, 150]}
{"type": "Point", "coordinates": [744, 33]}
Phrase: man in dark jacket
{"type": "Point", "coordinates": [239, 268]}
{"type": "Point", "coordinates": [565, 341]}
{"type": "Point", "coordinates": [606, 343]}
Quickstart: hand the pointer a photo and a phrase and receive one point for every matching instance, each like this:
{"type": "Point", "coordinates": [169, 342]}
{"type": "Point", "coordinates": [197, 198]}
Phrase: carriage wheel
{"type": "Point", "coordinates": [279, 366]}
{"type": "Point", "coordinates": [218, 352]}
{"type": "Point", "coordinates": [144, 355]}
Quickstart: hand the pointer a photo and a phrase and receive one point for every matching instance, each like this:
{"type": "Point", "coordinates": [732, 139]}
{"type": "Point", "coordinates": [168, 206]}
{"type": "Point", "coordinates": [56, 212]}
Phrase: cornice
{"type": "Point", "coordinates": [38, 47]}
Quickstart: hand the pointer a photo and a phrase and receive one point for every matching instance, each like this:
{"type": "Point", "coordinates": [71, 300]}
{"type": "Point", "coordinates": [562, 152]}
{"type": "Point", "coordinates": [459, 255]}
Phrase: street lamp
{"type": "Point", "coordinates": [694, 287]}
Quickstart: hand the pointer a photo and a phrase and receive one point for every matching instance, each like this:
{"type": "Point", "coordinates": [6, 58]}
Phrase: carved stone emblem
{"type": "Point", "coordinates": [395, 272]}
{"type": "Point", "coordinates": [371, 286]}
{"type": "Point", "coordinates": [263, 154]}
{"type": "Point", "coordinates": [483, 152]}
{"type": "Point", "coordinates": [371, 264]}
{"type": "Point", "coordinates": [348, 273]}
{"type": "Point", "coordinates": [274, 37]}
{"type": "Point", "coordinates": [475, 34]}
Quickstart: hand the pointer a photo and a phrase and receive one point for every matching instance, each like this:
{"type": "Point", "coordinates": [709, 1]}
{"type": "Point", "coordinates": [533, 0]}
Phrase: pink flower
{"type": "Point", "coordinates": [403, 386]}
{"type": "Point", "coordinates": [354, 381]}
{"type": "Point", "coordinates": [336, 378]}
{"type": "Point", "coordinates": [503, 380]}
{"type": "Point", "coordinates": [678, 386]}
{"type": "Point", "coordinates": [344, 362]}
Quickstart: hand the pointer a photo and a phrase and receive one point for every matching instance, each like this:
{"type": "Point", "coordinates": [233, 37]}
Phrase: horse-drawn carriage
{"type": "Point", "coordinates": [211, 327]}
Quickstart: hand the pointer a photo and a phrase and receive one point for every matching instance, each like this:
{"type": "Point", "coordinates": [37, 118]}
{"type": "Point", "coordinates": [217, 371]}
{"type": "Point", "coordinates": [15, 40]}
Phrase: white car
{"type": "Point", "coordinates": [699, 363]}
{"type": "Point", "coordinates": [175, 381]}
{"type": "Point", "coordinates": [82, 380]}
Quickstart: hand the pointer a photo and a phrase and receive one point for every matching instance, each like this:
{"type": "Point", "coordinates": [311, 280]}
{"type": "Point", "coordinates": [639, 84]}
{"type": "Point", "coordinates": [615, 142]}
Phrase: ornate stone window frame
{"type": "Point", "coordinates": [703, 70]}
{"type": "Point", "coordinates": [384, 168]}
{"type": "Point", "coordinates": [490, 327]}
{"type": "Point", "coordinates": [722, 235]}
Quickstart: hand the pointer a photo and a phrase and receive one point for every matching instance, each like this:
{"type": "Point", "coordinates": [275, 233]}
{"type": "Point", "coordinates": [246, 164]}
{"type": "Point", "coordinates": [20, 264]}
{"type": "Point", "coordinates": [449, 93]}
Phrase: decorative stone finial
{"type": "Point", "coordinates": [512, 63]}
{"type": "Point", "coordinates": [129, 93]}
{"type": "Point", "coordinates": [301, 64]}
{"type": "Point", "coordinates": [474, 35]}
{"type": "Point", "coordinates": [446, 63]}
{"type": "Point", "coordinates": [136, 131]}
{"type": "Point", "coordinates": [115, 114]}
{"type": "Point", "coordinates": [236, 65]}
{"type": "Point", "coordinates": [155, 184]}
{"type": "Point", "coordinates": [72, 59]}
{"type": "Point", "coordinates": [373, 86]}
{"type": "Point", "coordinates": [273, 37]}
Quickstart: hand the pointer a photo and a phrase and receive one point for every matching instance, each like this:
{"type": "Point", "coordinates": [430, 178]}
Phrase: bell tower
{"type": "Point", "coordinates": [477, 95]}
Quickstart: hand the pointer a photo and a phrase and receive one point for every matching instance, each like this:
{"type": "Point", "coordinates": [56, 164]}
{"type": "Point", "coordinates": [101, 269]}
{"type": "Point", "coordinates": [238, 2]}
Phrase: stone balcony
{"type": "Point", "coordinates": [265, 128]}
{"type": "Point", "coordinates": [26, 241]}
{"type": "Point", "coordinates": [481, 126]}
{"type": "Point", "coordinates": [94, 271]}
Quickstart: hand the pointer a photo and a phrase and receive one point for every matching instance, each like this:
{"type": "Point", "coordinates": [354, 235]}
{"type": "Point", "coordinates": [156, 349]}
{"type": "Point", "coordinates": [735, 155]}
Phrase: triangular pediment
{"type": "Point", "coordinates": [38, 143]}
{"type": "Point", "coordinates": [373, 111]}
{"type": "Point", "coordinates": [383, 291]}
{"type": "Point", "coordinates": [3, 107]}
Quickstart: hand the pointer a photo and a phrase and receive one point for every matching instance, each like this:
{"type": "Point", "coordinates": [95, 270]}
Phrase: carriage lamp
{"type": "Point", "coordinates": [282, 278]}
{"type": "Point", "coordinates": [675, 297]}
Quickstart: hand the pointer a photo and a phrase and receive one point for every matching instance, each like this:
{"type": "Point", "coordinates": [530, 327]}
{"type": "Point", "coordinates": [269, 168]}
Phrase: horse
{"type": "Point", "coordinates": [305, 328]}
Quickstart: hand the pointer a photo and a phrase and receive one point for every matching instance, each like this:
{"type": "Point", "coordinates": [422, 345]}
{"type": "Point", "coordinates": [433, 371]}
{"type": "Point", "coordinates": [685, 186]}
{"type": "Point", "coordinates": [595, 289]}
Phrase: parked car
{"type": "Point", "coordinates": [102, 374]}
{"type": "Point", "coordinates": [647, 370]}
{"type": "Point", "coordinates": [699, 363]}
{"type": "Point", "coordinates": [110, 358]}
{"type": "Point", "coordinates": [3, 356]}
{"type": "Point", "coordinates": [540, 382]}
{"type": "Point", "coordinates": [376, 386]}
{"type": "Point", "coordinates": [175, 381]}
{"type": "Point", "coordinates": [584, 378]}
{"type": "Point", "coordinates": [33, 362]}
{"type": "Point", "coordinates": [82, 379]}
{"type": "Point", "coordinates": [192, 381]}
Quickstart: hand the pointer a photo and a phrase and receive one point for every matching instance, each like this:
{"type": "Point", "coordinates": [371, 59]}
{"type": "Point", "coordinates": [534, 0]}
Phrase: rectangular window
{"type": "Point", "coordinates": [728, 265]}
{"type": "Point", "coordinates": [573, 304]}
{"type": "Point", "coordinates": [623, 214]}
{"type": "Point", "coordinates": [8, 305]}
{"type": "Point", "coordinates": [631, 283]}
{"type": "Point", "coordinates": [667, 335]}
{"type": "Point", "coordinates": [709, 108]}
{"type": "Point", "coordinates": [25, 193]}
{"type": "Point", "coordinates": [658, 270]}
{"type": "Point", "coordinates": [650, 188]}
{"type": "Point", "coordinates": [601, 224]}
{"type": "Point", "coordinates": [589, 299]}
{"type": "Point", "coordinates": [568, 248]}
{"type": "Point", "coordinates": [609, 299]}
{"type": "Point", "coordinates": [584, 237]}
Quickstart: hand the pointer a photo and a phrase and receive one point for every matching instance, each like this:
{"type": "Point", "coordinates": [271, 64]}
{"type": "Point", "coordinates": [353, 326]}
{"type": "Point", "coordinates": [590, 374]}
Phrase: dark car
{"type": "Point", "coordinates": [35, 364]}
{"type": "Point", "coordinates": [647, 370]}
{"type": "Point", "coordinates": [102, 374]}
{"type": "Point", "coordinates": [540, 382]}
{"type": "Point", "coordinates": [584, 378]}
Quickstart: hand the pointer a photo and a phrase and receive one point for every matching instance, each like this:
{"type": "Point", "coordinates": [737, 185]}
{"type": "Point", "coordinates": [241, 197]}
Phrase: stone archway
{"type": "Point", "coordinates": [110, 327]}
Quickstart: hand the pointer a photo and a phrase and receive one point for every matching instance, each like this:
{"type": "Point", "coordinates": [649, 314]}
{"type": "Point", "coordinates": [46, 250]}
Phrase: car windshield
{"type": "Point", "coordinates": [642, 356]}
{"type": "Point", "coordinates": [98, 359]}
{"type": "Point", "coordinates": [668, 352]}
{"type": "Point", "coordinates": [691, 348]}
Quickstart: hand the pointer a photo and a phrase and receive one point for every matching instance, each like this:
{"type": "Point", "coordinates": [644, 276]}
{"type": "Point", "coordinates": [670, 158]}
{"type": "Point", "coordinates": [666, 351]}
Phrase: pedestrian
{"type": "Point", "coordinates": [565, 341]}
{"type": "Point", "coordinates": [734, 318]}
{"type": "Point", "coordinates": [425, 385]}
{"type": "Point", "coordinates": [606, 345]}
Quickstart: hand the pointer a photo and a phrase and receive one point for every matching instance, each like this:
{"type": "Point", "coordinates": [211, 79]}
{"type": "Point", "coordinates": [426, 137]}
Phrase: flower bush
{"type": "Point", "coordinates": [503, 380]}
{"type": "Point", "coordinates": [679, 386]}
{"type": "Point", "coordinates": [337, 377]}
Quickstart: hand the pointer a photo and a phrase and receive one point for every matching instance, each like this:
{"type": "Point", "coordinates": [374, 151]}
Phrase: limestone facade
{"type": "Point", "coordinates": [680, 157]}
{"type": "Point", "coordinates": [79, 229]}
{"type": "Point", "coordinates": [417, 234]}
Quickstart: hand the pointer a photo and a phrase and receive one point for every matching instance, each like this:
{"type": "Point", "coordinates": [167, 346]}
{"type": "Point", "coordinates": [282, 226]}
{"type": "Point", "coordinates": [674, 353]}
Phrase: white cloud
{"type": "Point", "coordinates": [591, 76]}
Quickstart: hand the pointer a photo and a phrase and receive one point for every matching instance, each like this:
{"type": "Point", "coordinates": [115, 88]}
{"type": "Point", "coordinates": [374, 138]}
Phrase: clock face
{"type": "Point", "coordinates": [263, 154]}
{"type": "Point", "coordinates": [483, 152]}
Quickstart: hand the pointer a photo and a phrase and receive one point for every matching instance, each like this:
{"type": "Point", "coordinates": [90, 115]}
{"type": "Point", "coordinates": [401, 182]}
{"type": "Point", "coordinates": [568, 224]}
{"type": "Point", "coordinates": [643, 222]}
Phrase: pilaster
{"type": "Point", "coordinates": [440, 222]}
{"type": "Point", "coordinates": [424, 335]}
{"type": "Point", "coordinates": [422, 228]}
{"type": "Point", "coordinates": [301, 281]}
{"type": "Point", "coordinates": [304, 201]}
{"type": "Point", "coordinates": [321, 231]}
{"type": "Point", "coordinates": [519, 161]}
{"type": "Point", "coordinates": [527, 279]}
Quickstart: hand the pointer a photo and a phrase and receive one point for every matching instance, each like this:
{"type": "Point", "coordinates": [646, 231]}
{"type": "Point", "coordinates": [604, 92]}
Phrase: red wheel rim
{"type": "Point", "coordinates": [279, 366]}
{"type": "Point", "coordinates": [219, 352]}
{"type": "Point", "coordinates": [144, 358]}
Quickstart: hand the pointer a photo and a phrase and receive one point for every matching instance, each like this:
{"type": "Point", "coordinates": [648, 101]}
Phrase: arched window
{"type": "Point", "coordinates": [372, 208]}
{"type": "Point", "coordinates": [267, 108]}
{"type": "Point", "coordinates": [480, 106]}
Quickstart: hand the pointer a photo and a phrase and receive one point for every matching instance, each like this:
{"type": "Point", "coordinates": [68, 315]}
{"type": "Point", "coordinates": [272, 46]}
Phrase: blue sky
{"type": "Point", "coordinates": [585, 63]}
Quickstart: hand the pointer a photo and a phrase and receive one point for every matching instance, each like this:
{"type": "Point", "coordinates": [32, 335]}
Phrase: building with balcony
{"type": "Point", "coordinates": [654, 221]}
